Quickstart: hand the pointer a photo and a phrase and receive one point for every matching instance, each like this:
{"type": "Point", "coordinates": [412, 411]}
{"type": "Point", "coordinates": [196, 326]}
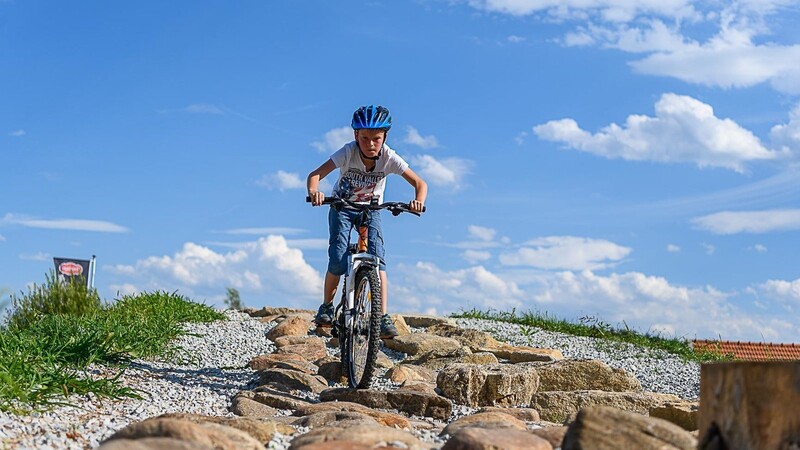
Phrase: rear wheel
{"type": "Point", "coordinates": [363, 341]}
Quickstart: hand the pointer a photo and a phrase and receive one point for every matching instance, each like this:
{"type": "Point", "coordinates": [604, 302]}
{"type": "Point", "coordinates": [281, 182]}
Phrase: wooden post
{"type": "Point", "coordinates": [750, 405]}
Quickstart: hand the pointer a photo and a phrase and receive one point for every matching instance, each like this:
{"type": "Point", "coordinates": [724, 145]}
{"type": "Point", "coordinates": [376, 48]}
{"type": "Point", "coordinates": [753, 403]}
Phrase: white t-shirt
{"type": "Point", "coordinates": [355, 182]}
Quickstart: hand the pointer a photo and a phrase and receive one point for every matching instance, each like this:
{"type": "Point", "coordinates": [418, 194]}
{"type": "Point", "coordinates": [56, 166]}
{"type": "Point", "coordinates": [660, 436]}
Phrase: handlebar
{"type": "Point", "coordinates": [394, 207]}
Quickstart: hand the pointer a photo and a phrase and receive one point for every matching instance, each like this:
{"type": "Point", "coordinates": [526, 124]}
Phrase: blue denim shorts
{"type": "Point", "coordinates": [340, 224]}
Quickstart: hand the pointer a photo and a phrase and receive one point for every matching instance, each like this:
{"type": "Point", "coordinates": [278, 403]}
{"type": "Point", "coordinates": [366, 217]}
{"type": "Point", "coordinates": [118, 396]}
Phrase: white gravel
{"type": "Point", "coordinates": [213, 369]}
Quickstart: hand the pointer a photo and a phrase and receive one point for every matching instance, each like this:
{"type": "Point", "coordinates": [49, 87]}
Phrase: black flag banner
{"type": "Point", "coordinates": [67, 269]}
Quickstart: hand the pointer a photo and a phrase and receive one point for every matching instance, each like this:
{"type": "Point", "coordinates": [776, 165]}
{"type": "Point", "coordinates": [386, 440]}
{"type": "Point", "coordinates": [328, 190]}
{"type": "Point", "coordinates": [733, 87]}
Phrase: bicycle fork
{"type": "Point", "coordinates": [356, 261]}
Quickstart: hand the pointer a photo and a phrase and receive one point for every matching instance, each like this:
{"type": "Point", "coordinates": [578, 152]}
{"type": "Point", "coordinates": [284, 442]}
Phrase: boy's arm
{"type": "Point", "coordinates": [313, 182]}
{"type": "Point", "coordinates": [420, 190]}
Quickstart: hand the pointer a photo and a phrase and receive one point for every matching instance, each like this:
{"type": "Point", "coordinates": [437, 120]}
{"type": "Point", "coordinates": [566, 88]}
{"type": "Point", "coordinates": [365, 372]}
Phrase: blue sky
{"type": "Point", "coordinates": [635, 162]}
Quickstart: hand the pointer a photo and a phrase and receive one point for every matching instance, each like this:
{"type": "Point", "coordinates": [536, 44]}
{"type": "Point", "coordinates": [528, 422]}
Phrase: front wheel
{"type": "Point", "coordinates": [363, 341]}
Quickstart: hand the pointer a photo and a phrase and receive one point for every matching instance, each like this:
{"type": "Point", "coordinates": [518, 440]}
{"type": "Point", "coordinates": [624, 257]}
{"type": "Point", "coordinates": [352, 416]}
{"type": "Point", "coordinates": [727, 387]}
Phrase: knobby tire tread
{"type": "Point", "coordinates": [373, 345]}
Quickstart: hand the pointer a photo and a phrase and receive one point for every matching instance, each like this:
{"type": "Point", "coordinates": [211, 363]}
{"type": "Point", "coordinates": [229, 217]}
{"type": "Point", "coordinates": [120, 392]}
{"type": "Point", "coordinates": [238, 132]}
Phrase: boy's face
{"type": "Point", "coordinates": [370, 141]}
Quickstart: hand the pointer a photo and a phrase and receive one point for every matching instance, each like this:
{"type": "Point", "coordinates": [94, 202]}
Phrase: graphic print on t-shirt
{"type": "Point", "coordinates": [357, 185]}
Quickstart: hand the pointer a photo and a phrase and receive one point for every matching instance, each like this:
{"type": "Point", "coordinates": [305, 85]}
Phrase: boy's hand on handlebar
{"type": "Point", "coordinates": [316, 197]}
{"type": "Point", "coordinates": [416, 206]}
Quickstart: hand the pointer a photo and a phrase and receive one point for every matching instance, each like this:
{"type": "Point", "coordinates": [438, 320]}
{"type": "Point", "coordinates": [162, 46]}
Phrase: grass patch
{"type": "Point", "coordinates": [595, 328]}
{"type": "Point", "coordinates": [56, 331]}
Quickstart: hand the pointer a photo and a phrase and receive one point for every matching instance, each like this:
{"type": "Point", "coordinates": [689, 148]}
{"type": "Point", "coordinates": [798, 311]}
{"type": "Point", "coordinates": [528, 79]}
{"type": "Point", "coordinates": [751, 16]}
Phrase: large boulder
{"type": "Point", "coordinates": [294, 379]}
{"type": "Point", "coordinates": [559, 406]}
{"type": "Point", "coordinates": [203, 434]}
{"type": "Point", "coordinates": [292, 326]}
{"type": "Point", "coordinates": [606, 428]}
{"type": "Point", "coordinates": [475, 340]}
{"type": "Point", "coordinates": [490, 385]}
{"type": "Point", "coordinates": [584, 374]}
{"type": "Point", "coordinates": [403, 400]}
{"type": "Point", "coordinates": [358, 432]}
{"type": "Point", "coordinates": [418, 343]}
{"type": "Point", "coordinates": [384, 418]}
{"type": "Point", "coordinates": [495, 439]}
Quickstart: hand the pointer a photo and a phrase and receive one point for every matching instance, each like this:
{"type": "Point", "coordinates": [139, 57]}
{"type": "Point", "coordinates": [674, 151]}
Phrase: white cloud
{"type": "Point", "coordinates": [609, 10]}
{"type": "Point", "coordinates": [643, 302]}
{"type": "Point", "coordinates": [786, 292]}
{"type": "Point", "coordinates": [520, 137]}
{"type": "Point", "coordinates": [39, 256]}
{"type": "Point", "coordinates": [515, 39]}
{"type": "Point", "coordinates": [267, 267]}
{"type": "Point", "coordinates": [124, 289]}
{"type": "Point", "coordinates": [203, 108]}
{"type": "Point", "coordinates": [787, 136]}
{"type": "Point", "coordinates": [282, 180]}
{"type": "Point", "coordinates": [447, 172]}
{"type": "Point", "coordinates": [482, 233]}
{"type": "Point", "coordinates": [334, 140]}
{"type": "Point", "coordinates": [733, 222]}
{"type": "Point", "coordinates": [2, 238]}
{"type": "Point", "coordinates": [413, 137]}
{"type": "Point", "coordinates": [265, 230]}
{"type": "Point", "coordinates": [17, 133]}
{"type": "Point", "coordinates": [728, 62]}
{"type": "Point", "coordinates": [683, 130]}
{"type": "Point", "coordinates": [672, 248]}
{"type": "Point", "coordinates": [566, 252]}
{"type": "Point", "coordinates": [426, 286]}
{"type": "Point", "coordinates": [63, 224]}
{"type": "Point", "coordinates": [476, 256]}
{"type": "Point", "coordinates": [709, 249]}
{"type": "Point", "coordinates": [760, 248]}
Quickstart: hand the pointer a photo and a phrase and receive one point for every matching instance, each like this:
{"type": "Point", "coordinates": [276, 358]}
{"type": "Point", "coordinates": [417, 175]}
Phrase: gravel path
{"type": "Point", "coordinates": [214, 369]}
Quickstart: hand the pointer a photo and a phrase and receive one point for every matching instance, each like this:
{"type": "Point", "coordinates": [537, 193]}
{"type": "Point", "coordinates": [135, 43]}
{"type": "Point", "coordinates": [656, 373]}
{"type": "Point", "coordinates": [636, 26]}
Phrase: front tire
{"type": "Point", "coordinates": [363, 341]}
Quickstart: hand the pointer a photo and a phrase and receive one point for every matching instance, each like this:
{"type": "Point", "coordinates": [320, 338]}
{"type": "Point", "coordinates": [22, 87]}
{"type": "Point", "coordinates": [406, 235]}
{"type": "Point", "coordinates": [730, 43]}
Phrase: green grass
{"type": "Point", "coordinates": [55, 331]}
{"type": "Point", "coordinates": [596, 328]}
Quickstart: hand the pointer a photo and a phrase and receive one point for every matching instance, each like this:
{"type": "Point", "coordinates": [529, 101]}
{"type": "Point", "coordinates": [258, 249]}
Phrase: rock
{"type": "Point", "coordinates": [553, 435]}
{"type": "Point", "coordinates": [383, 418]}
{"type": "Point", "coordinates": [504, 439]}
{"type": "Point", "coordinates": [262, 430]}
{"type": "Point", "coordinates": [292, 339]}
{"type": "Point", "coordinates": [246, 407]}
{"type": "Point", "coordinates": [332, 371]}
{"type": "Point", "coordinates": [406, 372]}
{"type": "Point", "coordinates": [400, 324]}
{"type": "Point", "coordinates": [558, 406]}
{"type": "Point", "coordinates": [419, 386]}
{"type": "Point", "coordinates": [602, 427]}
{"type": "Point", "coordinates": [209, 434]}
{"type": "Point", "coordinates": [681, 413]}
{"type": "Point", "coordinates": [325, 418]}
{"type": "Point", "coordinates": [582, 375]}
{"type": "Point", "coordinates": [337, 445]}
{"type": "Point", "coordinates": [371, 435]}
{"type": "Point", "coordinates": [294, 379]}
{"type": "Point", "coordinates": [153, 443]}
{"type": "Point", "coordinates": [524, 354]}
{"type": "Point", "coordinates": [311, 349]}
{"type": "Point", "coordinates": [409, 402]}
{"type": "Point", "coordinates": [269, 361]}
{"type": "Point", "coordinates": [492, 385]}
{"type": "Point", "coordinates": [273, 398]}
{"type": "Point", "coordinates": [384, 361]}
{"type": "Point", "coordinates": [490, 420]}
{"type": "Point", "coordinates": [416, 343]}
{"type": "Point", "coordinates": [434, 362]}
{"type": "Point", "coordinates": [425, 320]}
{"type": "Point", "coordinates": [292, 326]}
{"type": "Point", "coordinates": [474, 340]}
{"type": "Point", "coordinates": [524, 414]}
{"type": "Point", "coordinates": [521, 355]}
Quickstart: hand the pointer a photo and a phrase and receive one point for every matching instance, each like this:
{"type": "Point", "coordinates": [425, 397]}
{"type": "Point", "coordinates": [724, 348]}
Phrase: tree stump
{"type": "Point", "coordinates": [750, 405]}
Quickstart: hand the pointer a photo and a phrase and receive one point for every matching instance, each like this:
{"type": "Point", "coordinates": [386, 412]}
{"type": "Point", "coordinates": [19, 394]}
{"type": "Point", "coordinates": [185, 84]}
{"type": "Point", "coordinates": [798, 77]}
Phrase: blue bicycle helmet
{"type": "Point", "coordinates": [372, 117]}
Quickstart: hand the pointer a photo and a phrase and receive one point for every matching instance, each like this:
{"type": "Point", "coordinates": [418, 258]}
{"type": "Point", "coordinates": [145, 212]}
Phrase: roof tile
{"type": "Point", "coordinates": [750, 351]}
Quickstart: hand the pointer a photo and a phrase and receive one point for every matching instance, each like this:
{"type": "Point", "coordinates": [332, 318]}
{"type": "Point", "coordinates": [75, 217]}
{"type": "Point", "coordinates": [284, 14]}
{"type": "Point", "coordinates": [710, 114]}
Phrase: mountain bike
{"type": "Point", "coordinates": [357, 317]}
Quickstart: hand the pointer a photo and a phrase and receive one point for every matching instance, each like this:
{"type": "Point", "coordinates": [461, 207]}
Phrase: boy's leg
{"type": "Point", "coordinates": [339, 229]}
{"type": "Point", "coordinates": [384, 290]}
{"type": "Point", "coordinates": [331, 284]}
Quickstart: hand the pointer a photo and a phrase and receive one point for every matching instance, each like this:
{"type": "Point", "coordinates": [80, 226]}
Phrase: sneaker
{"type": "Point", "coordinates": [388, 330]}
{"type": "Point", "coordinates": [324, 314]}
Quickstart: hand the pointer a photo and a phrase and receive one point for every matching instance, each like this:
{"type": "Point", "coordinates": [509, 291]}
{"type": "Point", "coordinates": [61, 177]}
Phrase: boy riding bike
{"type": "Point", "coordinates": [363, 166]}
